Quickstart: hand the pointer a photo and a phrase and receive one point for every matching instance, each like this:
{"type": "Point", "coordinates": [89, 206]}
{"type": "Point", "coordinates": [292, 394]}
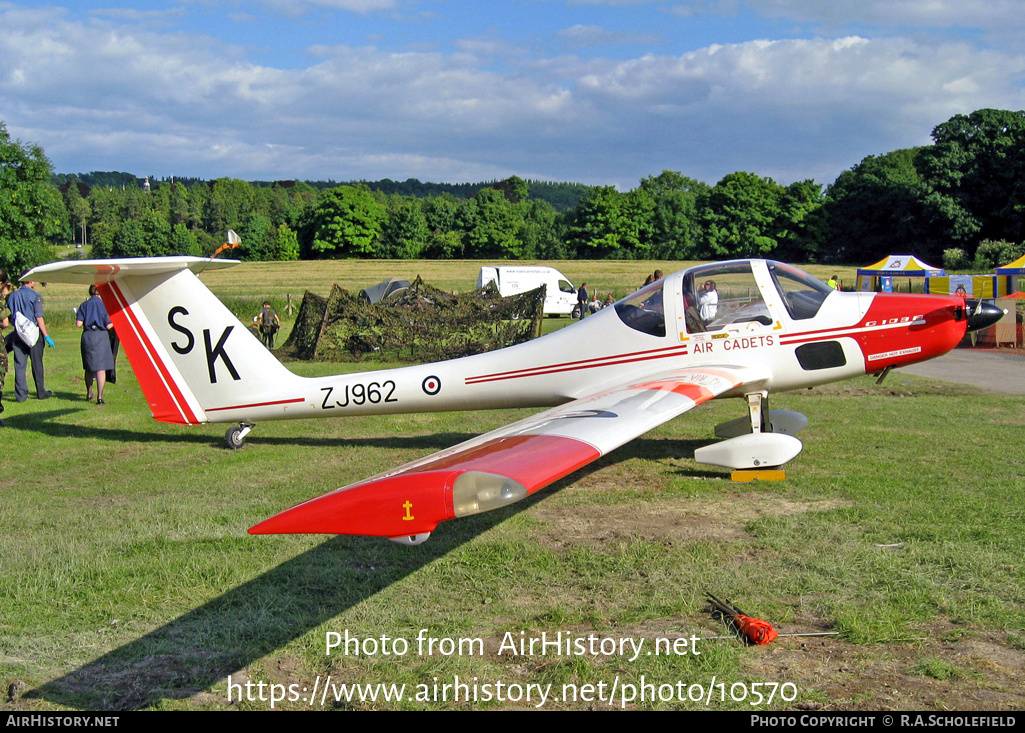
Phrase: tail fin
{"type": "Point", "coordinates": [194, 360]}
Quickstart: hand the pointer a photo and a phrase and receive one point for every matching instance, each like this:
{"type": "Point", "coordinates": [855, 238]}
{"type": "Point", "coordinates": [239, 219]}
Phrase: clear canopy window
{"type": "Point", "coordinates": [643, 310]}
{"type": "Point", "coordinates": [802, 294]}
{"type": "Point", "coordinates": [718, 295]}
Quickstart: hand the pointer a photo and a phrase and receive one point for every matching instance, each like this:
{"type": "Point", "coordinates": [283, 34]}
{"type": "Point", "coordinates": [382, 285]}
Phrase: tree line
{"type": "Point", "coordinates": [959, 201]}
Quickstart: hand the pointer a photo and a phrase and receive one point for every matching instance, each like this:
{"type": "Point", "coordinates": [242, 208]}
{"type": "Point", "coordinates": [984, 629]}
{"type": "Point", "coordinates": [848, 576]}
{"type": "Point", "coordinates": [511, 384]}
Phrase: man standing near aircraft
{"type": "Point", "coordinates": [26, 301]}
{"type": "Point", "coordinates": [582, 300]}
{"type": "Point", "coordinates": [267, 323]}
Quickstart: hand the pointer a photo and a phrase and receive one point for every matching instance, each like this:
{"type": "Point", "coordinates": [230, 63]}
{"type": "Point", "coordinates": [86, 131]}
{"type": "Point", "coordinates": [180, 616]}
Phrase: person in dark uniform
{"type": "Point", "coordinates": [26, 301]}
{"type": "Point", "coordinates": [267, 323]}
{"type": "Point", "coordinates": [96, 355]}
{"type": "Point", "coordinates": [582, 300]}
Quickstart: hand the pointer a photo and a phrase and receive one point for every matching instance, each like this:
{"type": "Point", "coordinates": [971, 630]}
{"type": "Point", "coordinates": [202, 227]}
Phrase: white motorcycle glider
{"type": "Point", "coordinates": [607, 379]}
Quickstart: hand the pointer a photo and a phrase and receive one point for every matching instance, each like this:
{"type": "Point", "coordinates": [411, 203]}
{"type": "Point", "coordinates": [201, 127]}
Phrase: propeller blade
{"type": "Point", "coordinates": [983, 315]}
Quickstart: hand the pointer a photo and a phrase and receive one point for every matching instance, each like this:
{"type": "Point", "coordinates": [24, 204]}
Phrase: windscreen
{"type": "Point", "coordinates": [802, 294]}
{"type": "Point", "coordinates": [716, 296]}
{"type": "Point", "coordinates": [643, 310]}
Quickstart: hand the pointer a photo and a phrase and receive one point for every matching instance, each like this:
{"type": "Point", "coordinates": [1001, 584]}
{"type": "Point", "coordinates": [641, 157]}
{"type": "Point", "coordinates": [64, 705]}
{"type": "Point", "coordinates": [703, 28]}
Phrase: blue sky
{"type": "Point", "coordinates": [594, 91]}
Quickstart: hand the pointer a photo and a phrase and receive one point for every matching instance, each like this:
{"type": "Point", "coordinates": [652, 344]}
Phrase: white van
{"type": "Point", "coordinates": [560, 295]}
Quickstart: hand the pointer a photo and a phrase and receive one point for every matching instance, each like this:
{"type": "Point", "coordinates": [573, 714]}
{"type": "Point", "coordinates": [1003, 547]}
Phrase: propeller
{"type": "Point", "coordinates": [982, 315]}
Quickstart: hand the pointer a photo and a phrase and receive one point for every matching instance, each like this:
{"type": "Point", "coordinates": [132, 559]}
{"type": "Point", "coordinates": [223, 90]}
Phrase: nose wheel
{"type": "Point", "coordinates": [235, 437]}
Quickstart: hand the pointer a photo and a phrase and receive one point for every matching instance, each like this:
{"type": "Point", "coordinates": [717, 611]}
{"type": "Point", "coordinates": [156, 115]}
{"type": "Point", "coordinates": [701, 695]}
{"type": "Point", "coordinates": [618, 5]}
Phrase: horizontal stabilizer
{"type": "Point", "coordinates": [94, 272]}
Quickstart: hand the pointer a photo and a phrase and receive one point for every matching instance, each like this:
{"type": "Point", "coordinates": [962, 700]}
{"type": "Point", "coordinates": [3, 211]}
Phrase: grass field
{"type": "Point", "coordinates": [127, 579]}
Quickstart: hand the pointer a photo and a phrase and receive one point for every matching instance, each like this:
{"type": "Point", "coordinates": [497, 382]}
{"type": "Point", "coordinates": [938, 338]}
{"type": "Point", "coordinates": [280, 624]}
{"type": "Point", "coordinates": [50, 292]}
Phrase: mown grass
{"type": "Point", "coordinates": [127, 579]}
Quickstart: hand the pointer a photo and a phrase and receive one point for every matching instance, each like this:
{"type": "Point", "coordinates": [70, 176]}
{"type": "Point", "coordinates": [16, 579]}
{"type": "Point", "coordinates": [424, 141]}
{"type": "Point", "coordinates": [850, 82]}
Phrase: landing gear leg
{"type": "Point", "coordinates": [758, 410]}
{"type": "Point", "coordinates": [235, 438]}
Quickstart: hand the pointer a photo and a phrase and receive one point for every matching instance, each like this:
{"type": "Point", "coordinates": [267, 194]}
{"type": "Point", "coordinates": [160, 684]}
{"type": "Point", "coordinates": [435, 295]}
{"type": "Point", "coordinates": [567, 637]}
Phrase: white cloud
{"type": "Point", "coordinates": [100, 94]}
{"type": "Point", "coordinates": [130, 14]}
{"type": "Point", "coordinates": [704, 8]}
{"type": "Point", "coordinates": [296, 7]}
{"type": "Point", "coordinates": [988, 15]}
{"type": "Point", "coordinates": [595, 35]}
{"type": "Point", "coordinates": [779, 104]}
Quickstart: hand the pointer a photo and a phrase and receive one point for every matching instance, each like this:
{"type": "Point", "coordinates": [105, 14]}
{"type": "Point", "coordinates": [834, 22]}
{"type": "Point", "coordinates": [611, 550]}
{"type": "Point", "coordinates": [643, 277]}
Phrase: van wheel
{"type": "Point", "coordinates": [575, 313]}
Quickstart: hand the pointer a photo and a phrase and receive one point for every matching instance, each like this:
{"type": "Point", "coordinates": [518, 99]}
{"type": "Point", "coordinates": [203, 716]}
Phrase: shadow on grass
{"type": "Point", "coordinates": [192, 653]}
{"type": "Point", "coordinates": [47, 423]}
{"type": "Point", "coordinates": [196, 650]}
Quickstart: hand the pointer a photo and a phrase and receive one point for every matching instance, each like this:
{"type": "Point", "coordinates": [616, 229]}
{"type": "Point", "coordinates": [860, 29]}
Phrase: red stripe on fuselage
{"type": "Point", "coordinates": [257, 404]}
{"type": "Point", "coordinates": [835, 333]}
{"type": "Point", "coordinates": [569, 366]}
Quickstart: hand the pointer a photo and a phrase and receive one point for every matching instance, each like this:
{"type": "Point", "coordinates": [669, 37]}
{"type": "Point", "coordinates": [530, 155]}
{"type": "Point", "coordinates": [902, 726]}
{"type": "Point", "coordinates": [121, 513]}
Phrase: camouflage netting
{"type": "Point", "coordinates": [423, 324]}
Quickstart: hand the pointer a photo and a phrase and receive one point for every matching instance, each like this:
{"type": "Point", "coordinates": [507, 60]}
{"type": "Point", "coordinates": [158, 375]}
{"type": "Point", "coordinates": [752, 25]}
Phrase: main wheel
{"type": "Point", "coordinates": [234, 438]}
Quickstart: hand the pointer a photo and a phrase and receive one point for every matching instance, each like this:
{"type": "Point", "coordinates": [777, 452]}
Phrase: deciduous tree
{"type": "Point", "coordinates": [674, 220]}
{"type": "Point", "coordinates": [977, 164]}
{"type": "Point", "coordinates": [884, 206]}
{"type": "Point", "coordinates": [740, 216]}
{"type": "Point", "coordinates": [347, 222]}
{"type": "Point", "coordinates": [32, 212]}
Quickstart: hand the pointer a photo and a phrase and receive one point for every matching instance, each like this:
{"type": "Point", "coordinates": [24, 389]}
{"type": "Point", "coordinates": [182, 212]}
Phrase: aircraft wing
{"type": "Point", "coordinates": [507, 464]}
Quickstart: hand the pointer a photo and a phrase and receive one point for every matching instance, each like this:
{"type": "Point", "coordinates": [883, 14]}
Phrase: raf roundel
{"type": "Point", "coordinates": [431, 385]}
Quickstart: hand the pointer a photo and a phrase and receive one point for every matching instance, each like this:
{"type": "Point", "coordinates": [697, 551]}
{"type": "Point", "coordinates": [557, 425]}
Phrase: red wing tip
{"type": "Point", "coordinates": [270, 526]}
{"type": "Point", "coordinates": [279, 524]}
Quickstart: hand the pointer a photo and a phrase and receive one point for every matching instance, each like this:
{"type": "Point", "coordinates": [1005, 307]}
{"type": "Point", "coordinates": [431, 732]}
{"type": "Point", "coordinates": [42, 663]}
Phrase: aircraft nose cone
{"type": "Point", "coordinates": [982, 315]}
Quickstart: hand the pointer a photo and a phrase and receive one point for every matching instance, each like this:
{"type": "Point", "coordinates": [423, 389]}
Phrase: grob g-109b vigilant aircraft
{"type": "Point", "coordinates": [649, 358]}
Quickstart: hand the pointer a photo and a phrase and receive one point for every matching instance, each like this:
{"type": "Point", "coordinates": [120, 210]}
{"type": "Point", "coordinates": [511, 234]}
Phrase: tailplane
{"type": "Point", "coordinates": [195, 361]}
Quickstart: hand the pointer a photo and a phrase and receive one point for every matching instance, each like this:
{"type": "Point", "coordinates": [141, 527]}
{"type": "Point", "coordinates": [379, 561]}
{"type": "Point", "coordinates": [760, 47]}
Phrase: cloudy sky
{"type": "Point", "coordinates": [594, 91]}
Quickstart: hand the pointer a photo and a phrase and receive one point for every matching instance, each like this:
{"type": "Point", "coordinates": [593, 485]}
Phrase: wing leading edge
{"type": "Point", "coordinates": [507, 464]}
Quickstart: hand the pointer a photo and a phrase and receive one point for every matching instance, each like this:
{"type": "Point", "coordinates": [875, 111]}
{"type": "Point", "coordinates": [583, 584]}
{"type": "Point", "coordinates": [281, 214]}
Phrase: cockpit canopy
{"type": "Point", "coordinates": [725, 293]}
{"type": "Point", "coordinates": [643, 311]}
